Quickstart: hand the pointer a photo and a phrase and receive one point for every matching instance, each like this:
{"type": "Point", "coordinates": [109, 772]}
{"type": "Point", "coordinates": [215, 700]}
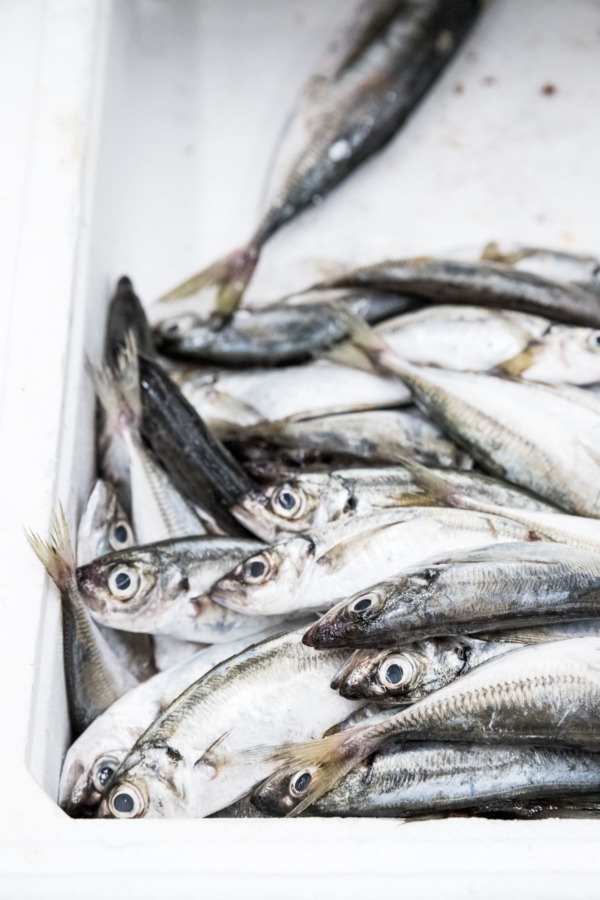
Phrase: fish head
{"type": "Point", "coordinates": [349, 622]}
{"type": "Point", "coordinates": [135, 588]}
{"type": "Point", "coordinates": [149, 784]}
{"type": "Point", "coordinates": [265, 580]}
{"type": "Point", "coordinates": [104, 525]}
{"type": "Point", "coordinates": [283, 509]}
{"type": "Point", "coordinates": [187, 331]}
{"type": "Point", "coordinates": [280, 794]}
{"type": "Point", "coordinates": [382, 675]}
{"type": "Point", "coordinates": [84, 778]}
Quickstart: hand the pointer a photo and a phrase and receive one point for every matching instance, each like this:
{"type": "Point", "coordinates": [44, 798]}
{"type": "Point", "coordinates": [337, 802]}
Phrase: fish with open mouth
{"type": "Point", "coordinates": [188, 762]}
{"type": "Point", "coordinates": [370, 81]}
{"type": "Point", "coordinates": [543, 694]}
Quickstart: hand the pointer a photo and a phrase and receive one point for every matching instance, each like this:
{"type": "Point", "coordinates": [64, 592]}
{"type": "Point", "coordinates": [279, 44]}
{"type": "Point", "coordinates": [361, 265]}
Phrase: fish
{"type": "Point", "coordinates": [404, 674]}
{"type": "Point", "coordinates": [162, 588]}
{"type": "Point", "coordinates": [373, 76]}
{"type": "Point", "coordinates": [503, 586]}
{"type": "Point", "coordinates": [126, 316]}
{"type": "Point", "coordinates": [94, 675]}
{"type": "Point", "coordinates": [545, 438]}
{"type": "Point", "coordinates": [312, 571]}
{"type": "Point", "coordinates": [479, 283]}
{"type": "Point", "coordinates": [104, 525]}
{"type": "Point", "coordinates": [543, 694]}
{"type": "Point", "coordinates": [159, 511]}
{"type": "Point", "coordinates": [94, 757]}
{"type": "Point", "coordinates": [382, 436]}
{"type": "Point", "coordinates": [307, 502]}
{"type": "Point", "coordinates": [274, 335]}
{"type": "Point", "coordinates": [557, 265]}
{"type": "Point", "coordinates": [225, 399]}
{"type": "Point", "coordinates": [170, 651]}
{"type": "Point", "coordinates": [187, 763]}
{"type": "Point", "coordinates": [475, 339]}
{"type": "Point", "coordinates": [431, 777]}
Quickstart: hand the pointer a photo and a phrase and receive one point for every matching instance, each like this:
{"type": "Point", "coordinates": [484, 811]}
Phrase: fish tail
{"type": "Point", "coordinates": [118, 388]}
{"type": "Point", "coordinates": [57, 553]}
{"type": "Point", "coordinates": [230, 275]}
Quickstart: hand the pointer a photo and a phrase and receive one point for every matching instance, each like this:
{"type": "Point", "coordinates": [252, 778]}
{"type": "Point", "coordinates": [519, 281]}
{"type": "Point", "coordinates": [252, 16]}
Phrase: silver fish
{"type": "Point", "coordinates": [556, 265]}
{"type": "Point", "coordinates": [163, 588]}
{"type": "Point", "coordinates": [307, 502]}
{"type": "Point", "coordinates": [312, 571]}
{"type": "Point", "coordinates": [188, 763]}
{"type": "Point", "coordinates": [94, 675]}
{"type": "Point", "coordinates": [504, 586]}
{"type": "Point", "coordinates": [546, 694]}
{"type": "Point", "coordinates": [372, 78]}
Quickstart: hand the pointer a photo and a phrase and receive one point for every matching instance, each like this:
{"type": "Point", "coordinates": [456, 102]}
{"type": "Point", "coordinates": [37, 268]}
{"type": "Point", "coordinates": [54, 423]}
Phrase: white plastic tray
{"type": "Point", "coordinates": [140, 135]}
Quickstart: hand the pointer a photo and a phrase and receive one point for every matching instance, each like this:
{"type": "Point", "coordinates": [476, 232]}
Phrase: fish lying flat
{"type": "Point", "coordinates": [491, 589]}
{"type": "Point", "coordinates": [546, 694]}
{"type": "Point", "coordinates": [383, 436]}
{"type": "Point", "coordinates": [428, 778]}
{"type": "Point", "coordinates": [556, 265]}
{"type": "Point", "coordinates": [545, 438]}
{"type": "Point", "coordinates": [371, 80]}
{"type": "Point", "coordinates": [187, 763]}
{"type": "Point", "coordinates": [159, 511]}
{"type": "Point", "coordinates": [95, 756]}
{"type": "Point", "coordinates": [405, 674]}
{"type": "Point", "coordinates": [307, 502]}
{"type": "Point", "coordinates": [267, 395]}
{"type": "Point", "coordinates": [278, 334]}
{"type": "Point", "coordinates": [94, 675]}
{"type": "Point", "coordinates": [477, 284]}
{"type": "Point", "coordinates": [475, 339]}
{"type": "Point", "coordinates": [163, 589]}
{"type": "Point", "coordinates": [312, 571]}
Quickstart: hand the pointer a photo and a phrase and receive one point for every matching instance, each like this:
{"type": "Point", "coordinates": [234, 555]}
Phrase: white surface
{"type": "Point", "coordinates": [139, 139]}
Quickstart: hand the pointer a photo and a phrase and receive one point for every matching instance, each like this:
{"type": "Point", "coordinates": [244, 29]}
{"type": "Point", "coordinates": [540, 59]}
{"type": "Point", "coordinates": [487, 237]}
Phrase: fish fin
{"type": "Point", "coordinates": [210, 759]}
{"type": "Point", "coordinates": [346, 354]}
{"type": "Point", "coordinates": [493, 253]}
{"type": "Point", "coordinates": [516, 365]}
{"type": "Point", "coordinates": [230, 275]}
{"type": "Point", "coordinates": [327, 761]}
{"type": "Point", "coordinates": [118, 387]}
{"type": "Point", "coordinates": [56, 554]}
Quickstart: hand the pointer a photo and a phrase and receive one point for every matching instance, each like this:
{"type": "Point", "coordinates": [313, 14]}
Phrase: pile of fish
{"type": "Point", "coordinates": [343, 554]}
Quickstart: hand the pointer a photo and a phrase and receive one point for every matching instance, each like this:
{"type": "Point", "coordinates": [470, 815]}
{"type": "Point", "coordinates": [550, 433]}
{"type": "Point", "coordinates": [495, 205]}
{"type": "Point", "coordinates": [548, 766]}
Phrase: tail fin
{"type": "Point", "coordinates": [310, 770]}
{"type": "Point", "coordinates": [118, 388]}
{"type": "Point", "coordinates": [230, 275]}
{"type": "Point", "coordinates": [56, 554]}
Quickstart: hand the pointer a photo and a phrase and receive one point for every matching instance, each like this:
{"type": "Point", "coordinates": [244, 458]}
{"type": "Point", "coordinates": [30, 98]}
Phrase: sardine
{"type": "Point", "coordinates": [94, 675]}
{"type": "Point", "coordinates": [312, 571]}
{"type": "Point", "coordinates": [95, 756]}
{"type": "Point", "coordinates": [371, 80]}
{"type": "Point", "coordinates": [546, 694]}
{"type": "Point", "coordinates": [307, 502]}
{"type": "Point", "coordinates": [163, 588]}
{"type": "Point", "coordinates": [405, 674]}
{"type": "Point", "coordinates": [477, 284]}
{"type": "Point", "coordinates": [491, 589]}
{"type": "Point", "coordinates": [556, 265]}
{"type": "Point", "coordinates": [298, 392]}
{"type": "Point", "coordinates": [188, 763]}
{"type": "Point", "coordinates": [383, 436]}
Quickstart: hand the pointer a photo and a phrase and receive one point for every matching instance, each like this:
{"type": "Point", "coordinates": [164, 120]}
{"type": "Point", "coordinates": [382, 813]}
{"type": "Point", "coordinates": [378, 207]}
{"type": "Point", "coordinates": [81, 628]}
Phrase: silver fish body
{"type": "Point", "coordinates": [556, 265]}
{"type": "Point", "coordinates": [489, 589]}
{"type": "Point", "coordinates": [189, 762]}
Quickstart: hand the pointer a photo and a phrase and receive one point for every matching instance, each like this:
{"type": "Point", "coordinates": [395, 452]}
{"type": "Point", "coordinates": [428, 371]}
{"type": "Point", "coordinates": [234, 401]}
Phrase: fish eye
{"type": "Point", "coordinates": [121, 536]}
{"type": "Point", "coordinates": [104, 770]}
{"type": "Point", "coordinates": [594, 341]}
{"type": "Point", "coordinates": [177, 327]}
{"type": "Point", "coordinates": [123, 582]}
{"type": "Point", "coordinates": [364, 602]}
{"type": "Point", "coordinates": [256, 570]}
{"type": "Point", "coordinates": [288, 502]}
{"type": "Point", "coordinates": [396, 672]}
{"type": "Point", "coordinates": [126, 802]}
{"type": "Point", "coordinates": [299, 783]}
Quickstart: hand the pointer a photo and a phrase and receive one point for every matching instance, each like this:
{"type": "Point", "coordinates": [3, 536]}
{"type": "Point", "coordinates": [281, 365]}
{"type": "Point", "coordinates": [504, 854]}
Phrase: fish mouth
{"type": "Point", "coordinates": [230, 595]}
{"type": "Point", "coordinates": [88, 587]}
